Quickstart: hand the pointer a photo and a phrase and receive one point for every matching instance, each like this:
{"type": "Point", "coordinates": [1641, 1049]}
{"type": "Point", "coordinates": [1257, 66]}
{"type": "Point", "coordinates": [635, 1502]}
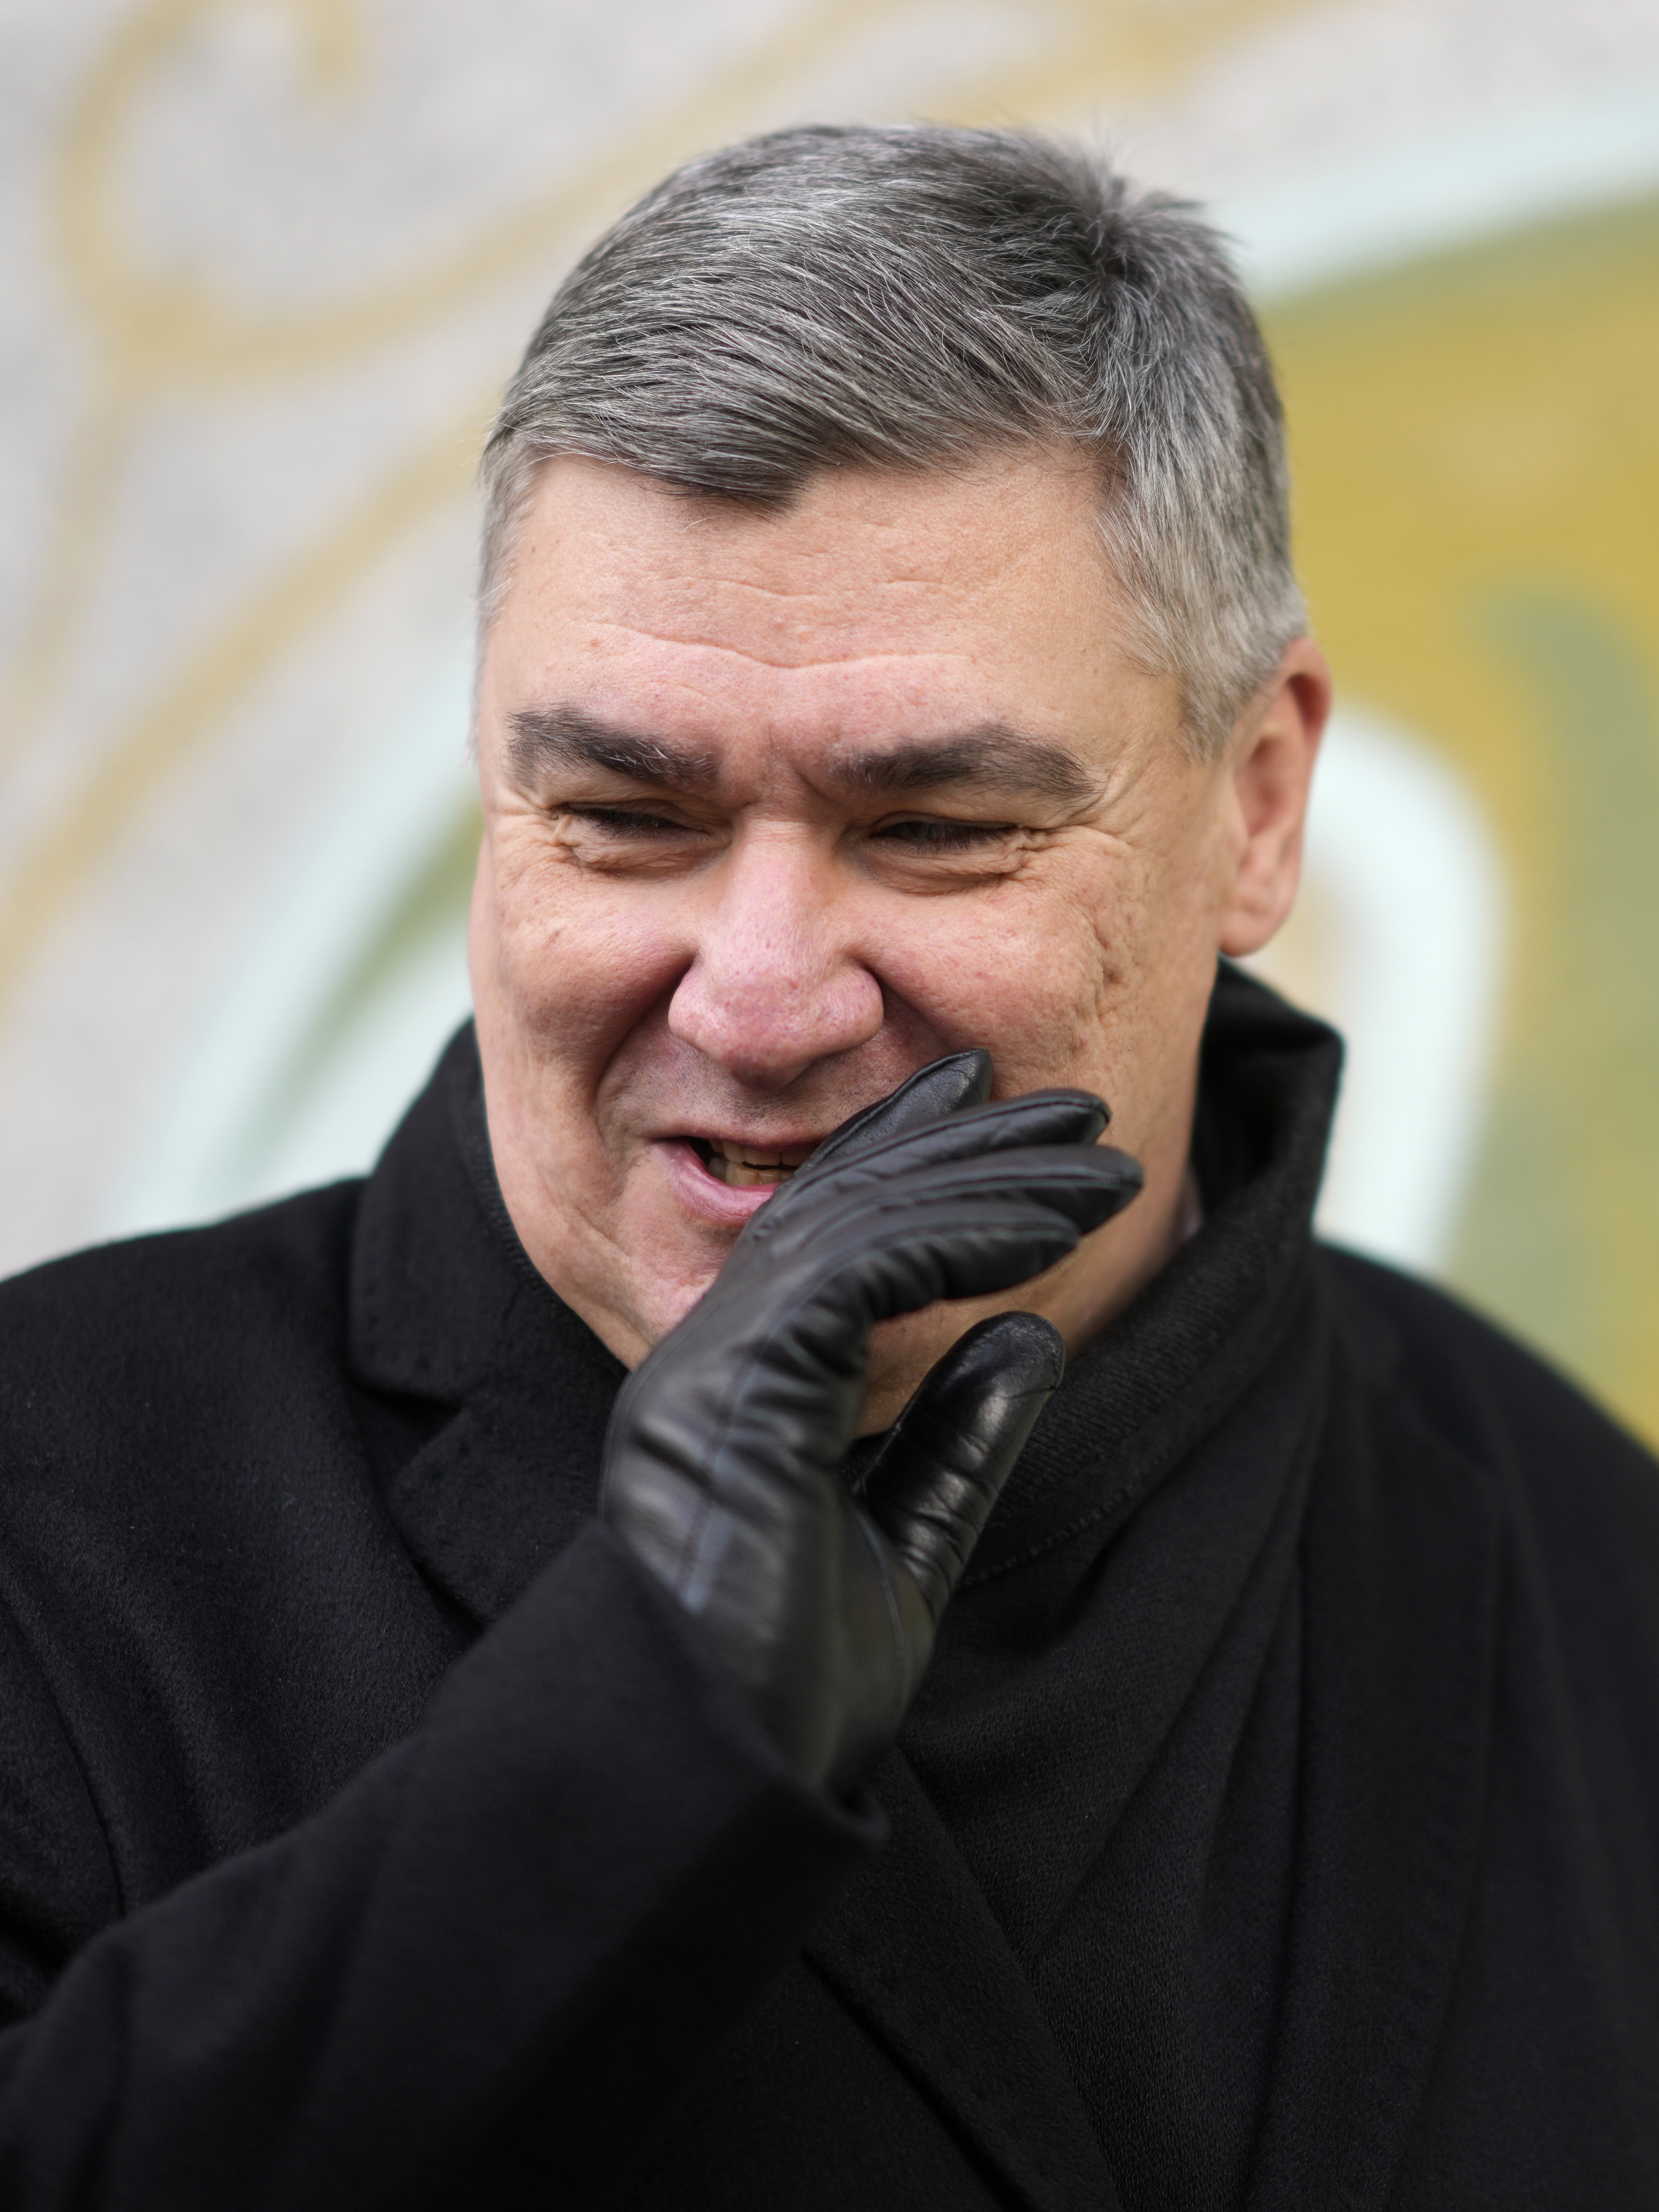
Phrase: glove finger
{"type": "Point", "coordinates": [952, 1449]}
{"type": "Point", "coordinates": [1084, 1184]}
{"type": "Point", "coordinates": [1089, 1183]}
{"type": "Point", "coordinates": [898, 1161]}
{"type": "Point", "coordinates": [955, 1248]}
{"type": "Point", "coordinates": [943, 1086]}
{"type": "Point", "coordinates": [1037, 1118]}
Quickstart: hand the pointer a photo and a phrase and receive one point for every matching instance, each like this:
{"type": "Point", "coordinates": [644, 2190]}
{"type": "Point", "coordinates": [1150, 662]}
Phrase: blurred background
{"type": "Point", "coordinates": [267, 264]}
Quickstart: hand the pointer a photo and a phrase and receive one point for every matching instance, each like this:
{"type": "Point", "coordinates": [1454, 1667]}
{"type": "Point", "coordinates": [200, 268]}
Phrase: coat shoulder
{"type": "Point", "coordinates": [149, 1333]}
{"type": "Point", "coordinates": [1476, 1382]}
{"type": "Point", "coordinates": [285, 1262]}
{"type": "Point", "coordinates": [1578, 1493]}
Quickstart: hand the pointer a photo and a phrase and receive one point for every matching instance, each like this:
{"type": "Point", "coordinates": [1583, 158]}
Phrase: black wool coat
{"type": "Point", "coordinates": [1278, 1827]}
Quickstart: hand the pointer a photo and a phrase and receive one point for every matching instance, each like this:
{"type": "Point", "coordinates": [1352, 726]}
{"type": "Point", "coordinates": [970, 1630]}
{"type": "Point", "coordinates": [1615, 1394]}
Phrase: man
{"type": "Point", "coordinates": [435, 1773]}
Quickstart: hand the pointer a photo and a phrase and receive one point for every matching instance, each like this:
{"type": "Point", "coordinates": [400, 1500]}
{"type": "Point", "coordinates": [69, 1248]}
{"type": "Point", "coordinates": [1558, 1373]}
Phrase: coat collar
{"type": "Point", "coordinates": [1179, 1358]}
{"type": "Point", "coordinates": [434, 1282]}
{"type": "Point", "coordinates": [446, 1307]}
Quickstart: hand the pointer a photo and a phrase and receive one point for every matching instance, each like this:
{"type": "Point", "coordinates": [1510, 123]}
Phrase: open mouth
{"type": "Point", "coordinates": [744, 1166]}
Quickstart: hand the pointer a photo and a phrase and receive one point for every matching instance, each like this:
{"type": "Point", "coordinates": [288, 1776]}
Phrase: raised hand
{"type": "Point", "coordinates": [723, 1456]}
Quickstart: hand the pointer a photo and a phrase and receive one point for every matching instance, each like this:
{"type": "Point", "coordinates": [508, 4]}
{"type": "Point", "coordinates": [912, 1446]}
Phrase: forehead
{"type": "Point", "coordinates": [875, 598]}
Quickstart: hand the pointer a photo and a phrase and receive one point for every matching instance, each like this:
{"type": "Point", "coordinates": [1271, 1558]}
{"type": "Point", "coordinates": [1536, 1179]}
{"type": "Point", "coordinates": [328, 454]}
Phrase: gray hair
{"type": "Point", "coordinates": [908, 297]}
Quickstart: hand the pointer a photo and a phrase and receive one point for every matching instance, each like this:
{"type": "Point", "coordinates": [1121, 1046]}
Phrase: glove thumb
{"type": "Point", "coordinates": [951, 1449]}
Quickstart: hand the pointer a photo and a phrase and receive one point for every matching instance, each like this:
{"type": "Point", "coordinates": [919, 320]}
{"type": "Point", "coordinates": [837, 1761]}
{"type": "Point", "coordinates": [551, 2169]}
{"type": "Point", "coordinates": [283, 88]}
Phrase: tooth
{"type": "Point", "coordinates": [744, 1166]}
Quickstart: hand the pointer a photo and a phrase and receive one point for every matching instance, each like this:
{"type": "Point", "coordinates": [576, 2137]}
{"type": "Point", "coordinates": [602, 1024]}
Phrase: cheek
{"type": "Point", "coordinates": [1083, 971]}
{"type": "Point", "coordinates": [1022, 969]}
{"type": "Point", "coordinates": [572, 962]}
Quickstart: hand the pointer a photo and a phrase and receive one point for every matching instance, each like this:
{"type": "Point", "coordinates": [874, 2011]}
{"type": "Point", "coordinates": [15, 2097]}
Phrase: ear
{"type": "Point", "coordinates": [1266, 800]}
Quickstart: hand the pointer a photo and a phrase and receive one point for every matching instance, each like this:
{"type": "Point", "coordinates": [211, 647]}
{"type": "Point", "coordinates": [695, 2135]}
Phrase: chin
{"type": "Point", "coordinates": [684, 1269]}
{"type": "Point", "coordinates": [903, 1351]}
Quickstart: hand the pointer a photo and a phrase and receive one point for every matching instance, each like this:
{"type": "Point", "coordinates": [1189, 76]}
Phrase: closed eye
{"type": "Point", "coordinates": [629, 822]}
{"type": "Point", "coordinates": [933, 833]}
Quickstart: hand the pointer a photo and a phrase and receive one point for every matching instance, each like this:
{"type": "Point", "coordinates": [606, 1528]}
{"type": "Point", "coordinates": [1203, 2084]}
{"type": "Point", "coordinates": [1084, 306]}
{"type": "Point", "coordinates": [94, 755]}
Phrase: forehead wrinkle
{"type": "Point", "coordinates": [833, 586]}
{"type": "Point", "coordinates": [692, 642]}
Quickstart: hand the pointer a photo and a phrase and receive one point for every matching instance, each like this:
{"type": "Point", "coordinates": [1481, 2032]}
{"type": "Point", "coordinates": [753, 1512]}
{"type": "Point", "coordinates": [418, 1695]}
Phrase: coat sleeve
{"type": "Point", "coordinates": [558, 1891]}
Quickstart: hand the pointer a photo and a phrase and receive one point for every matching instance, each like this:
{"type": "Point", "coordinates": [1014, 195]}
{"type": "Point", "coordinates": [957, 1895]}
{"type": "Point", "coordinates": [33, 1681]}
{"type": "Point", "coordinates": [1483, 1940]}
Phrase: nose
{"type": "Point", "coordinates": [774, 984]}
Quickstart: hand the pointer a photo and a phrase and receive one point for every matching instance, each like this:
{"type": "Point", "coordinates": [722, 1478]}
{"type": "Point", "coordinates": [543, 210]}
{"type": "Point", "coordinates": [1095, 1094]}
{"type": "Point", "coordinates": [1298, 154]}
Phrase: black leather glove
{"type": "Point", "coordinates": [723, 1455]}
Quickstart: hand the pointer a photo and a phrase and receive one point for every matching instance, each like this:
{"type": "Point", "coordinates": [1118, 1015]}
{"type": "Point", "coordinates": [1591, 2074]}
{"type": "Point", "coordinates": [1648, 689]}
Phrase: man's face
{"type": "Point", "coordinates": [779, 807]}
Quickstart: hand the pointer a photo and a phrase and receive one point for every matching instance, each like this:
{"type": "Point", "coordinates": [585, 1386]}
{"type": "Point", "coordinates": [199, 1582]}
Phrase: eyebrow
{"type": "Point", "coordinates": [993, 756]}
{"type": "Point", "coordinates": [540, 738]}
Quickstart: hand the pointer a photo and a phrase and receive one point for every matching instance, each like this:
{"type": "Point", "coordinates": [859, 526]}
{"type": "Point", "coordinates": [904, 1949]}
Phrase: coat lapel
{"type": "Point", "coordinates": [447, 1309]}
{"type": "Point", "coordinates": [914, 1952]}
{"type": "Point", "coordinates": [1400, 1588]}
